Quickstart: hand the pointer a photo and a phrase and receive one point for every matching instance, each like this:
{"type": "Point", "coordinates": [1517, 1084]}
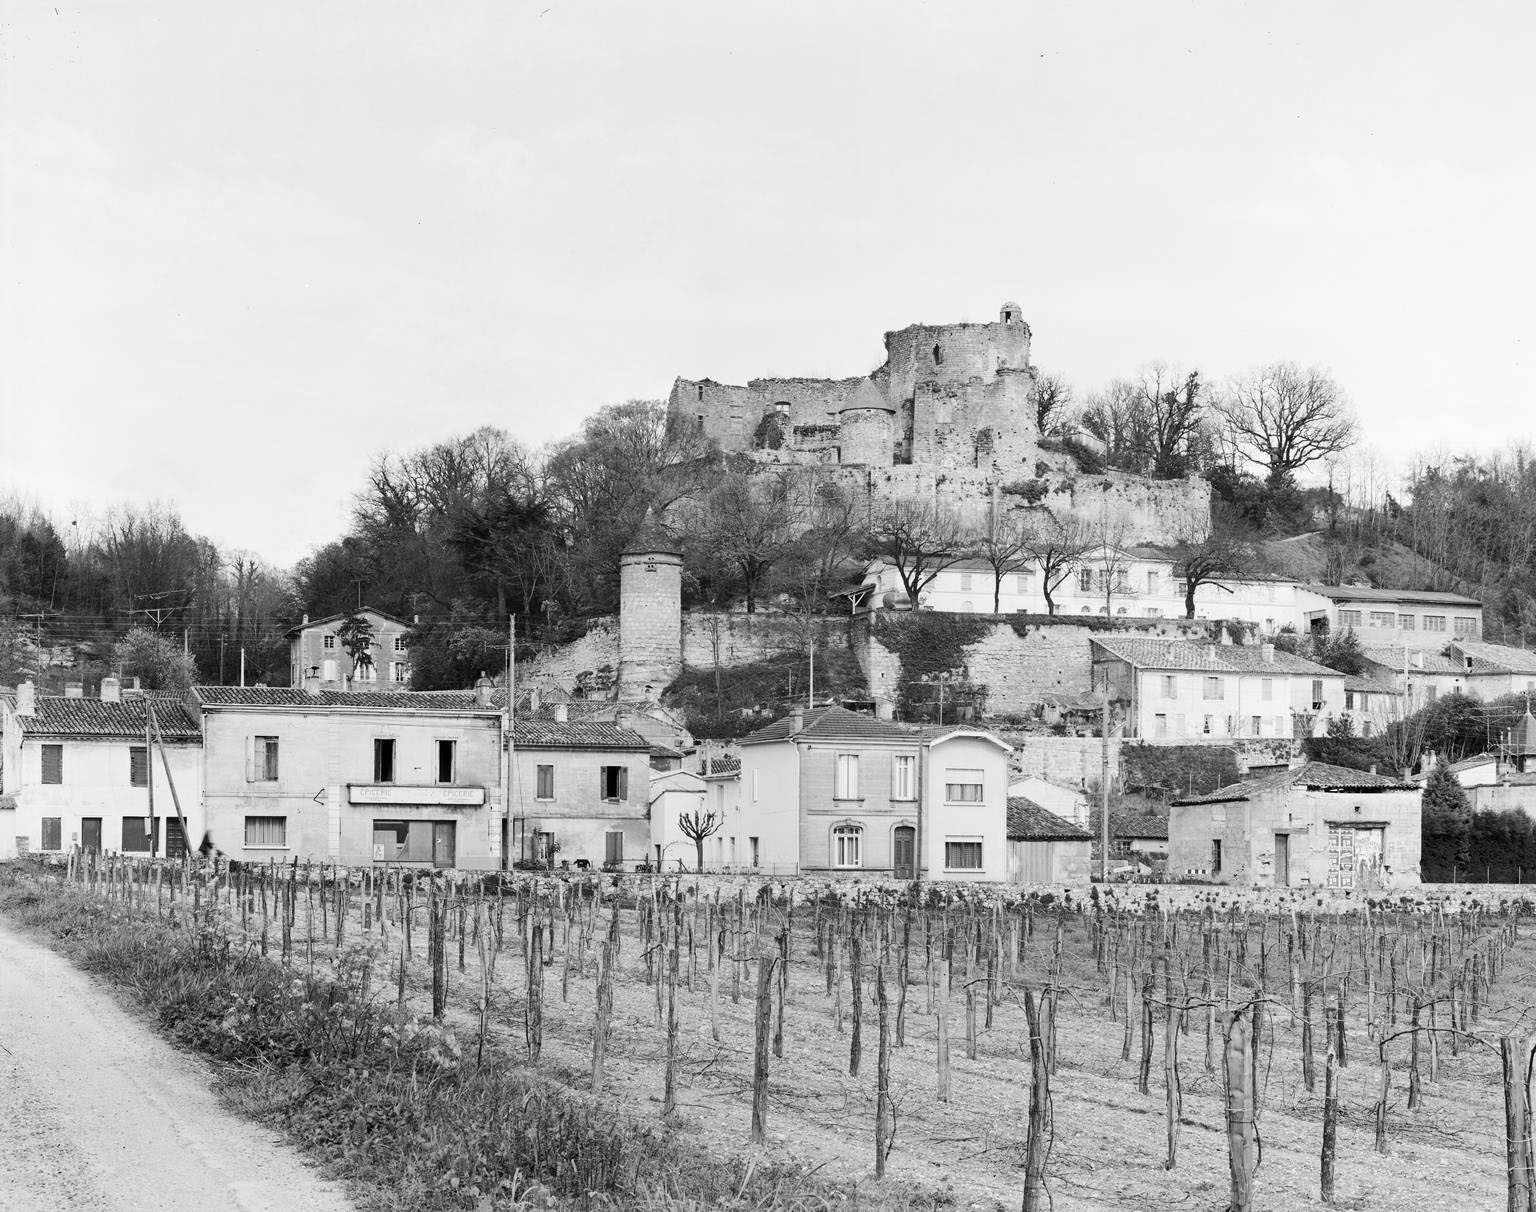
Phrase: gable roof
{"type": "Point", "coordinates": [1369, 686]}
{"type": "Point", "coordinates": [1184, 655]}
{"type": "Point", "coordinates": [1494, 658]}
{"type": "Point", "coordinates": [831, 724]}
{"type": "Point", "coordinates": [721, 767]}
{"type": "Point", "coordinates": [1147, 826]}
{"type": "Point", "coordinates": [1522, 737]}
{"type": "Point", "coordinates": [1314, 776]}
{"type": "Point", "coordinates": [1369, 593]}
{"type": "Point", "coordinates": [457, 701]}
{"type": "Point", "coordinates": [346, 614]}
{"type": "Point", "coordinates": [92, 719]}
{"type": "Point", "coordinates": [1417, 660]}
{"type": "Point", "coordinates": [1029, 822]}
{"type": "Point", "coordinates": [551, 734]}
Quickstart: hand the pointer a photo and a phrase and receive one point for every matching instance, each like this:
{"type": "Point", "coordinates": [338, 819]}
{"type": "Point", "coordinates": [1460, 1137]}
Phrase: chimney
{"type": "Point", "coordinates": [1267, 651]}
{"type": "Point", "coordinates": [1373, 767]}
{"type": "Point", "coordinates": [562, 713]}
{"type": "Point", "coordinates": [535, 699]}
{"type": "Point", "coordinates": [111, 690]}
{"type": "Point", "coordinates": [74, 690]}
{"type": "Point", "coordinates": [312, 681]}
{"type": "Point", "coordinates": [796, 721]}
{"type": "Point", "coordinates": [484, 688]}
{"type": "Point", "coordinates": [1210, 651]}
{"type": "Point", "coordinates": [305, 623]}
{"type": "Point", "coordinates": [1416, 660]}
{"type": "Point", "coordinates": [26, 698]}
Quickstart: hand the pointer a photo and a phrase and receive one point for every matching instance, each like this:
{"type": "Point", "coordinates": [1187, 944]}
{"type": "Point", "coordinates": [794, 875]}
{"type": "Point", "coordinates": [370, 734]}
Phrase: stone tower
{"type": "Point", "coordinates": [650, 614]}
{"type": "Point", "coordinates": [866, 427]}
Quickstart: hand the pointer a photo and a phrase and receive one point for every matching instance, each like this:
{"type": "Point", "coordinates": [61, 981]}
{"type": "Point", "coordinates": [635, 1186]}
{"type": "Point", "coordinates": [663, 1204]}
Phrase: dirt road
{"type": "Point", "coordinates": [98, 1113]}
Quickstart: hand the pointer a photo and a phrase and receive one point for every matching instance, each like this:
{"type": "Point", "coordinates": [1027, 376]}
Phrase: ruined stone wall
{"type": "Point", "coordinates": [1068, 761]}
{"type": "Point", "coordinates": [747, 638]}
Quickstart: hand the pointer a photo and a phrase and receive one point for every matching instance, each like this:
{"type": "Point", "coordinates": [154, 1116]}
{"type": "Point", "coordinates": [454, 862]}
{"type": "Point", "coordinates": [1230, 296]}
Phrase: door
{"type": "Point", "coordinates": [1282, 860]}
{"type": "Point", "coordinates": [443, 848]}
{"type": "Point", "coordinates": [905, 852]}
{"type": "Point", "coordinates": [90, 835]}
{"type": "Point", "coordinates": [175, 838]}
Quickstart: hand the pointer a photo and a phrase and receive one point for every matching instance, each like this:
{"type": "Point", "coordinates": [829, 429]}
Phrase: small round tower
{"type": "Point", "coordinates": [650, 614]}
{"type": "Point", "coordinates": [867, 428]}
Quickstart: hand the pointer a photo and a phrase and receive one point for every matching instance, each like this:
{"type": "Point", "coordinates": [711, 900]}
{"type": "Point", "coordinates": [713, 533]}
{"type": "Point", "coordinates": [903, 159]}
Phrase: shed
{"type": "Point", "coordinates": [1043, 848]}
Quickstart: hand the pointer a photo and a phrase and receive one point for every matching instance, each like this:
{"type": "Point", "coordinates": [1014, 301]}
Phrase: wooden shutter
{"type": "Point", "coordinates": [623, 783]}
{"type": "Point", "coordinates": [614, 851]}
{"type": "Point", "coordinates": [53, 764]}
{"type": "Point", "coordinates": [250, 759]}
{"type": "Point", "coordinates": [138, 765]}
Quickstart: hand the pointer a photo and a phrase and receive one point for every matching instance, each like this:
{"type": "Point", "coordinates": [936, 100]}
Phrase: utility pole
{"type": "Point", "coordinates": [510, 716]}
{"type": "Point", "coordinates": [1104, 784]}
{"type": "Point", "coordinates": [149, 768]}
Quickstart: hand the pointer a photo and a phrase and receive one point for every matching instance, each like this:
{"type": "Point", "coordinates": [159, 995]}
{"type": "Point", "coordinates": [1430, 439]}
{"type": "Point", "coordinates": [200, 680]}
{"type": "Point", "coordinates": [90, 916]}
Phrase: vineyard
{"type": "Point", "coordinates": [948, 1047]}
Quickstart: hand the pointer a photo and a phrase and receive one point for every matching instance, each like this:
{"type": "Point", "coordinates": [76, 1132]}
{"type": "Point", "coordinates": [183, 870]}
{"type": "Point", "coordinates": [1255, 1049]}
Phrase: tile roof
{"type": "Point", "coordinates": [551, 734]}
{"type": "Point", "coordinates": [1206, 658]}
{"type": "Point", "coordinates": [1495, 658]}
{"type": "Point", "coordinates": [1368, 593]}
{"type": "Point", "coordinates": [1154, 827]}
{"type": "Point", "coordinates": [719, 767]}
{"type": "Point", "coordinates": [1319, 776]}
{"type": "Point", "coordinates": [1029, 822]}
{"type": "Point", "coordinates": [1369, 686]}
{"type": "Point", "coordinates": [1427, 662]}
{"type": "Point", "coordinates": [292, 696]}
{"type": "Point", "coordinates": [124, 720]}
{"type": "Point", "coordinates": [7, 801]}
{"type": "Point", "coordinates": [1522, 738]}
{"type": "Point", "coordinates": [831, 724]}
{"type": "Point", "coordinates": [336, 618]}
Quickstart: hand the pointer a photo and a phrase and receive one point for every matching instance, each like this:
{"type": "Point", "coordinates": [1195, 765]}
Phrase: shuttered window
{"type": "Point", "coordinates": [615, 783]}
{"type": "Point", "coordinates": [613, 849]}
{"type": "Point", "coordinates": [138, 765]}
{"type": "Point", "coordinates": [53, 833]}
{"type": "Point", "coordinates": [53, 765]}
{"type": "Point", "coordinates": [136, 835]}
{"type": "Point", "coordinates": [546, 783]}
{"type": "Point", "coordinates": [263, 760]}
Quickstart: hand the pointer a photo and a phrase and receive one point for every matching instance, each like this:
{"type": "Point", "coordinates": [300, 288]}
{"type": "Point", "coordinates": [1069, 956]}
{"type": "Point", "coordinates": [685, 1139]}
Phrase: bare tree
{"type": "Point", "coordinates": [1212, 558]}
{"type": "Point", "coordinates": [918, 540]}
{"type": "Point", "coordinates": [698, 825]}
{"type": "Point", "coordinates": [1110, 560]}
{"type": "Point", "coordinates": [1051, 398]}
{"type": "Point", "coordinates": [1005, 547]}
{"type": "Point", "coordinates": [1170, 412]}
{"type": "Point", "coordinates": [747, 521]}
{"type": "Point", "coordinates": [1058, 545]}
{"type": "Point", "coordinates": [1114, 416]}
{"type": "Point", "coordinates": [1285, 418]}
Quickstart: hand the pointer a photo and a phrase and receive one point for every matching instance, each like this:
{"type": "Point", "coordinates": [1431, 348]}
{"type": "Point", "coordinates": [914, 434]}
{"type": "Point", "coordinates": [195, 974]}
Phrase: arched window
{"type": "Point", "coordinates": [1122, 610]}
{"type": "Point", "coordinates": [1103, 609]}
{"type": "Point", "coordinates": [847, 846]}
{"type": "Point", "coordinates": [968, 607]}
{"type": "Point", "coordinates": [938, 356]}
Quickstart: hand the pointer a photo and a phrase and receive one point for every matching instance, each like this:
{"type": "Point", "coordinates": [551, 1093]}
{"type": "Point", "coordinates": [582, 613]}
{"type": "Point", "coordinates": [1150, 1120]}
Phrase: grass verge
{"type": "Point", "coordinates": [389, 1102]}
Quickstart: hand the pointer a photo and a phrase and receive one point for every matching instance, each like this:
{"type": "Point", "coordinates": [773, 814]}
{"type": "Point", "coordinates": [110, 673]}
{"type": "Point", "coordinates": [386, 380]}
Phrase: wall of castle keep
{"type": "Point", "coordinates": [650, 623]}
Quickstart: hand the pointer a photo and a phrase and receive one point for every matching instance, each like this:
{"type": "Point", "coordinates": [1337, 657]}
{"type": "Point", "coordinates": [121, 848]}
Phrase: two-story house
{"type": "Point", "coordinates": [98, 774]}
{"type": "Point", "coordinates": [1383, 618]}
{"type": "Point", "coordinates": [1492, 670]}
{"type": "Point", "coordinates": [1421, 676]}
{"type": "Point", "coordinates": [1179, 691]}
{"type": "Point", "coordinates": [839, 792]}
{"type": "Point", "coordinates": [318, 647]}
{"type": "Point", "coordinates": [580, 793]}
{"type": "Point", "coordinates": [355, 777]}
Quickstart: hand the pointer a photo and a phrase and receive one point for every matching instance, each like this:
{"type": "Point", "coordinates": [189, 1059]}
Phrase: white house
{"type": "Point", "coordinates": [1069, 803]}
{"type": "Point", "coordinates": [677, 795]}
{"type": "Point", "coordinates": [94, 774]}
{"type": "Point", "coordinates": [1417, 619]}
{"type": "Point", "coordinates": [837, 791]}
{"type": "Point", "coordinates": [1421, 675]}
{"type": "Point", "coordinates": [316, 647]}
{"type": "Point", "coordinates": [1179, 691]}
{"type": "Point", "coordinates": [1492, 670]}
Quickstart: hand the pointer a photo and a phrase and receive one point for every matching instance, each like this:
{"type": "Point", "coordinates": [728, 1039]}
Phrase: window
{"type": "Point", "coordinates": [1154, 612]}
{"type": "Point", "coordinates": [1122, 581]}
{"type": "Point", "coordinates": [137, 837]}
{"type": "Point", "coordinates": [1216, 856]}
{"type": "Point", "coordinates": [938, 356]}
{"type": "Point", "coordinates": [903, 777]}
{"type": "Point", "coordinates": [614, 783]}
{"type": "Point", "coordinates": [1152, 581]}
{"type": "Point", "coordinates": [753, 842]}
{"type": "Point", "coordinates": [613, 848]}
{"type": "Point", "coordinates": [1024, 582]}
{"type": "Point", "coordinates": [399, 643]}
{"type": "Point", "coordinates": [846, 786]}
{"type": "Point", "coordinates": [1406, 622]}
{"type": "Point", "coordinates": [1207, 727]}
{"type": "Point", "coordinates": [1434, 622]}
{"type": "Point", "coordinates": [544, 848]}
{"type": "Point", "coordinates": [1466, 628]}
{"type": "Point", "coordinates": [383, 759]}
{"type": "Point", "coordinates": [329, 642]}
{"type": "Point", "coordinates": [263, 759]}
{"type": "Point", "coordinates": [1267, 690]}
{"type": "Point", "coordinates": [1349, 700]}
{"type": "Point", "coordinates": [846, 847]}
{"type": "Point", "coordinates": [266, 831]}
{"type": "Point", "coordinates": [53, 833]}
{"type": "Point", "coordinates": [1258, 725]}
{"type": "Point", "coordinates": [1317, 694]}
{"type": "Point", "coordinates": [1349, 618]}
{"type": "Point", "coordinates": [399, 671]}
{"type": "Point", "coordinates": [965, 582]}
{"type": "Point", "coordinates": [138, 766]}
{"type": "Point", "coordinates": [963, 786]}
{"type": "Point", "coordinates": [447, 761]}
{"type": "Point", "coordinates": [1383, 618]}
{"type": "Point", "coordinates": [1160, 725]}
{"type": "Point", "coordinates": [962, 856]}
{"type": "Point", "coordinates": [1085, 580]}
{"type": "Point", "coordinates": [328, 670]}
{"type": "Point", "coordinates": [545, 785]}
{"type": "Point", "coordinates": [1433, 693]}
{"type": "Point", "coordinates": [1214, 688]}
{"type": "Point", "coordinates": [53, 763]}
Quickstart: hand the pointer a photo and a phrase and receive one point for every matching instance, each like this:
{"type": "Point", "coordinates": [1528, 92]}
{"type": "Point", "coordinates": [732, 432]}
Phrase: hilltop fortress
{"type": "Point", "coordinates": [948, 418]}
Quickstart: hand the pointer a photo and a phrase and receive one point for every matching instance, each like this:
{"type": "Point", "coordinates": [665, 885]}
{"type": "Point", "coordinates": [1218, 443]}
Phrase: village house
{"type": "Point", "coordinates": [1494, 670]}
{"type": "Point", "coordinates": [1372, 704]}
{"type": "Point", "coordinates": [354, 777]}
{"type": "Point", "coordinates": [722, 795]}
{"type": "Point", "coordinates": [580, 793]}
{"type": "Point", "coordinates": [1421, 676]}
{"type": "Point", "coordinates": [1384, 618]}
{"type": "Point", "coordinates": [93, 774]}
{"type": "Point", "coordinates": [678, 795]}
{"type": "Point", "coordinates": [318, 648]}
{"type": "Point", "coordinates": [1179, 691]}
{"type": "Point", "coordinates": [1069, 803]}
{"type": "Point", "coordinates": [1043, 848]}
{"type": "Point", "coordinates": [839, 792]}
{"type": "Point", "coordinates": [1501, 781]}
{"type": "Point", "coordinates": [1317, 825]}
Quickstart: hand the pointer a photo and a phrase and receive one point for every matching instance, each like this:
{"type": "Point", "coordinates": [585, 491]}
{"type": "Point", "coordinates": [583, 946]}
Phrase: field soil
{"type": "Point", "coordinates": [99, 1114]}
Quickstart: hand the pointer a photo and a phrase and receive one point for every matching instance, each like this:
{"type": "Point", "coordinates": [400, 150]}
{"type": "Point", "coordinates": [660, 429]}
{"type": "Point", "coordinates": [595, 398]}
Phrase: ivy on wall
{"type": "Point", "coordinates": [928, 643]}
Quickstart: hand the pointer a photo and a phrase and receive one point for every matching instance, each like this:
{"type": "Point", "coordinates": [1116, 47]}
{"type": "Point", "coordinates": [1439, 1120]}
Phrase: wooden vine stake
{"type": "Point", "coordinates": [1515, 1053]}
{"type": "Point", "coordinates": [1242, 1137]}
{"type": "Point", "coordinates": [1039, 1104]}
{"type": "Point", "coordinates": [765, 966]}
{"type": "Point", "coordinates": [669, 1085]}
{"type": "Point", "coordinates": [1171, 1080]}
{"type": "Point", "coordinates": [884, 1119]}
{"type": "Point", "coordinates": [1330, 1122]}
{"type": "Point", "coordinates": [604, 1009]}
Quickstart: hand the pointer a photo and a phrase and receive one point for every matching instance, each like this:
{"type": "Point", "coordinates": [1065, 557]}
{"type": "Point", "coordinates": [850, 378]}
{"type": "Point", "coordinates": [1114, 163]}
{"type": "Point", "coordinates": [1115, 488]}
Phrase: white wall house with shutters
{"type": "Point", "coordinates": [80, 774]}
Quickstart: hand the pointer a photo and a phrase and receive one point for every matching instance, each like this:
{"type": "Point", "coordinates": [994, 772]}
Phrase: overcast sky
{"type": "Point", "coordinates": [244, 248]}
